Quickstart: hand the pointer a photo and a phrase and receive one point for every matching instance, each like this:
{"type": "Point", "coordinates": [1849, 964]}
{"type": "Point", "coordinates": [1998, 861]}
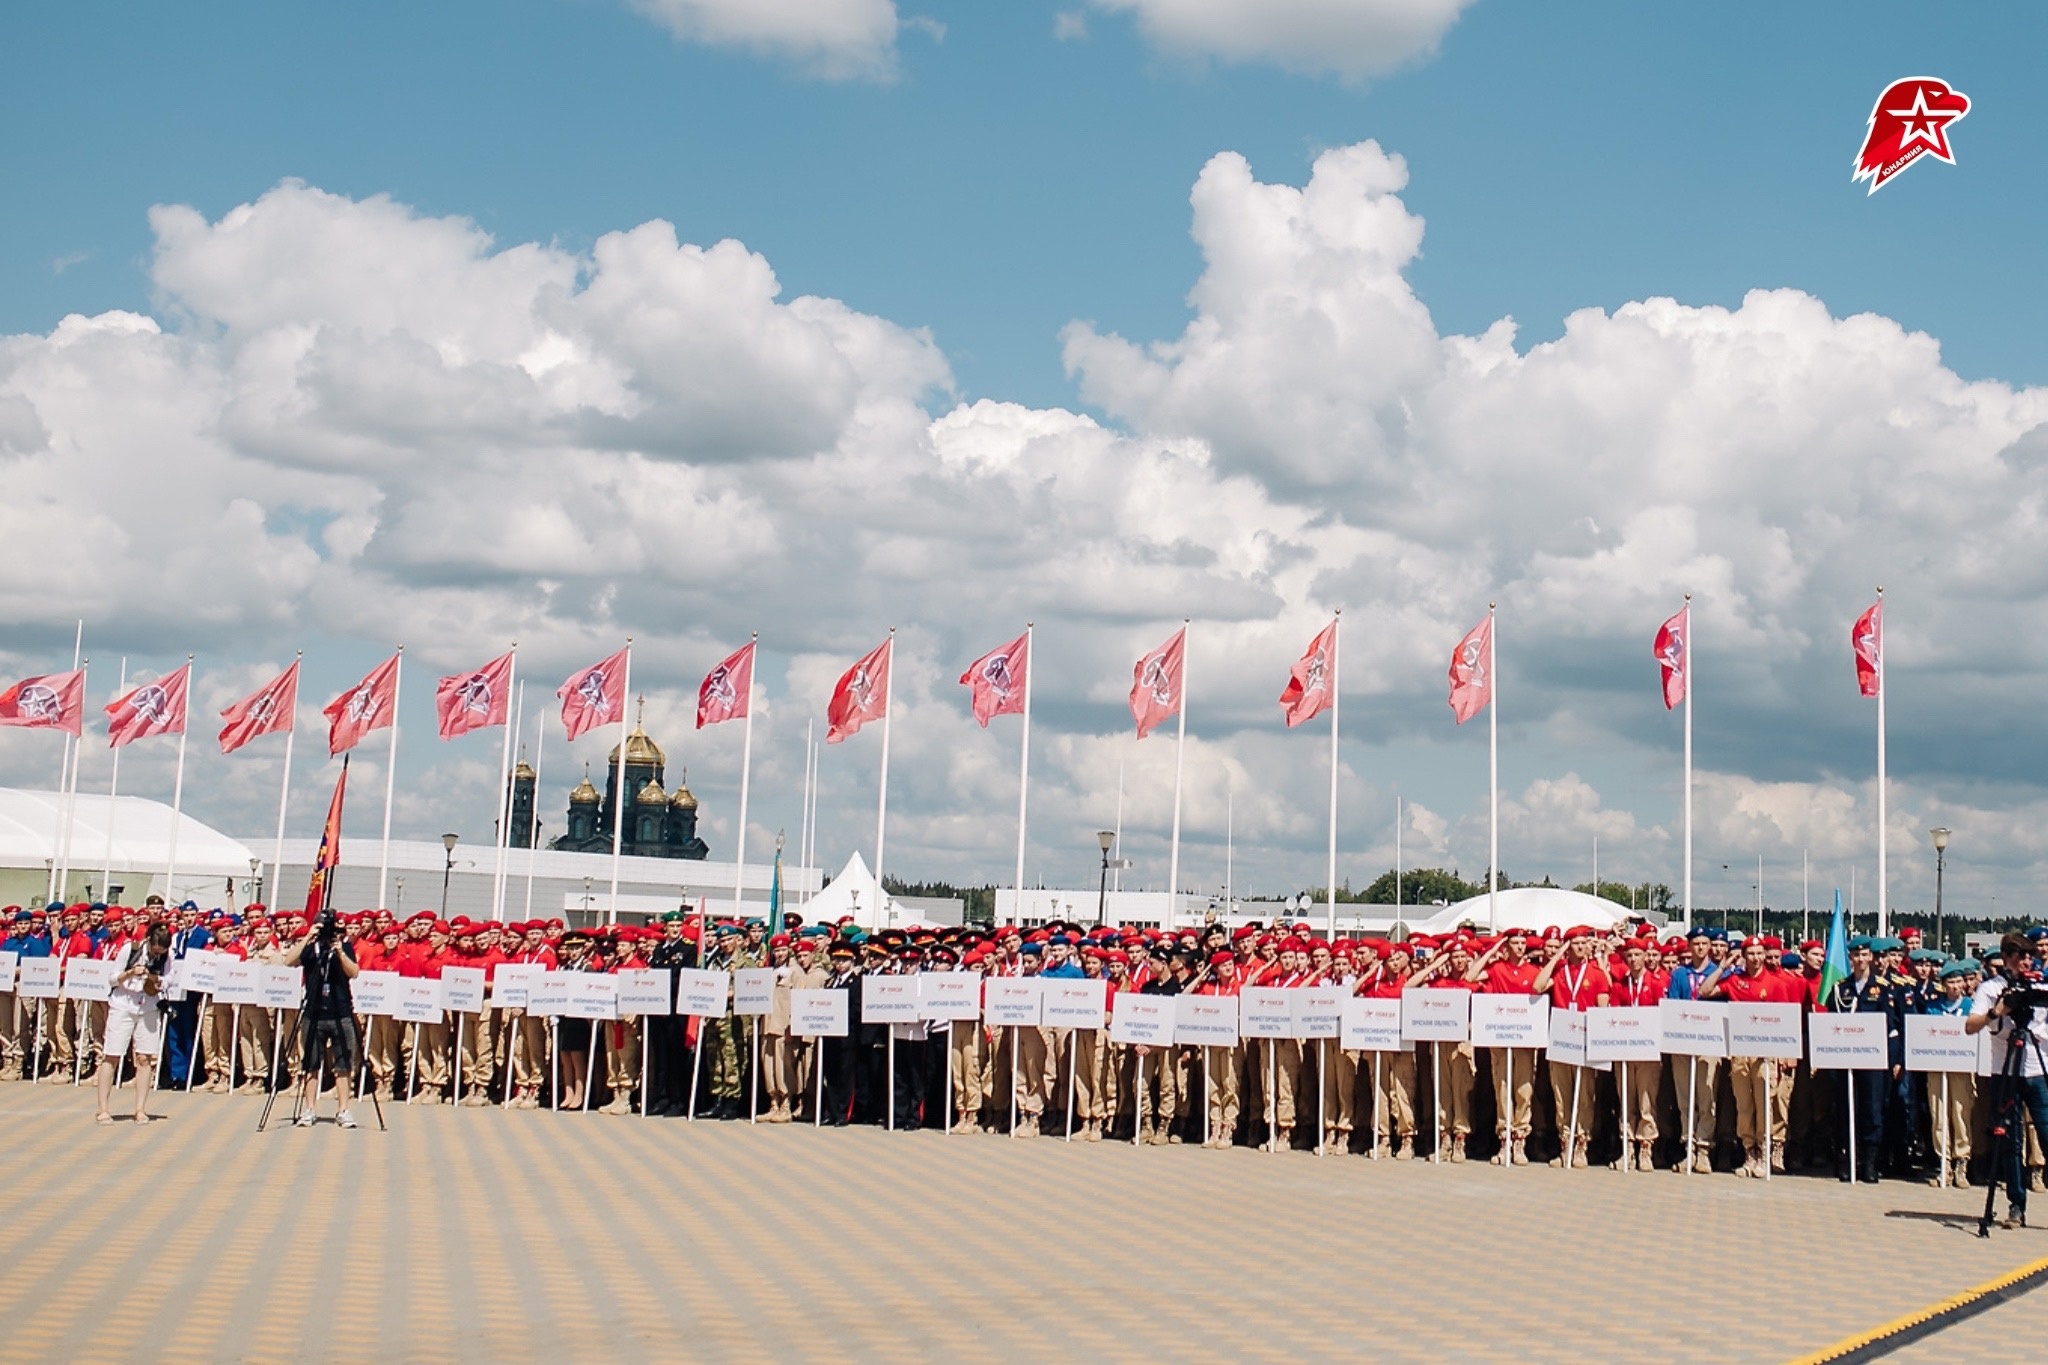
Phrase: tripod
{"type": "Point", "coordinates": [299, 1097]}
{"type": "Point", "coordinates": [2008, 1115]}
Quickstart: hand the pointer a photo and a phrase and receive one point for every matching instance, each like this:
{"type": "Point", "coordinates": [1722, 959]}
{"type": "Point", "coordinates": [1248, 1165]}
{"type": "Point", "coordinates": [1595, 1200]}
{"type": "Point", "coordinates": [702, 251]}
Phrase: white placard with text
{"type": "Point", "coordinates": [592, 995]}
{"type": "Point", "coordinates": [1143, 1020]}
{"type": "Point", "coordinates": [817, 1013]}
{"type": "Point", "coordinates": [418, 1000]}
{"type": "Point", "coordinates": [1015, 1001]}
{"type": "Point", "coordinates": [462, 989]}
{"type": "Point", "coordinates": [375, 992]}
{"type": "Point", "coordinates": [1568, 1033]}
{"type": "Point", "coordinates": [949, 995]}
{"type": "Point", "coordinates": [1319, 1012]}
{"type": "Point", "coordinates": [238, 983]}
{"type": "Point", "coordinates": [1510, 1021]}
{"type": "Point", "coordinates": [1204, 1020]}
{"type": "Point", "coordinates": [197, 970]}
{"type": "Point", "coordinates": [1436, 1016]}
{"type": "Point", "coordinates": [1371, 1025]}
{"type": "Point", "coordinates": [1625, 1033]}
{"type": "Point", "coordinates": [1265, 1012]}
{"type": "Point", "coordinates": [1852, 1042]}
{"type": "Point", "coordinates": [1766, 1029]}
{"type": "Point", "coordinates": [702, 992]}
{"type": "Point", "coordinates": [512, 984]}
{"type": "Point", "coordinates": [888, 1000]}
{"type": "Point", "coordinates": [643, 991]}
{"type": "Point", "coordinates": [547, 993]}
{"type": "Point", "coordinates": [1695, 1028]}
{"type": "Point", "coordinates": [88, 979]}
{"type": "Point", "coordinates": [1939, 1042]}
{"type": "Point", "coordinates": [753, 990]}
{"type": "Point", "coordinates": [1074, 1002]}
{"type": "Point", "coordinates": [283, 988]}
{"type": "Point", "coordinates": [7, 964]}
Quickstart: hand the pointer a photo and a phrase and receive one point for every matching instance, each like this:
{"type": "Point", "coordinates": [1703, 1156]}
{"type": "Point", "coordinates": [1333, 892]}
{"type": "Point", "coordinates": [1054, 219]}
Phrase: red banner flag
{"type": "Point", "coordinates": [1674, 656]}
{"type": "Point", "coordinates": [370, 705]}
{"type": "Point", "coordinates": [862, 694]}
{"type": "Point", "coordinates": [155, 708]}
{"type": "Point", "coordinates": [1867, 639]}
{"type": "Point", "coordinates": [998, 679]}
{"type": "Point", "coordinates": [55, 701]}
{"type": "Point", "coordinates": [328, 856]}
{"type": "Point", "coordinates": [595, 695]}
{"type": "Point", "coordinates": [1156, 683]}
{"type": "Point", "coordinates": [263, 712]}
{"type": "Point", "coordinates": [475, 701]}
{"type": "Point", "coordinates": [1309, 681]}
{"type": "Point", "coordinates": [1472, 671]}
{"type": "Point", "coordinates": [728, 689]}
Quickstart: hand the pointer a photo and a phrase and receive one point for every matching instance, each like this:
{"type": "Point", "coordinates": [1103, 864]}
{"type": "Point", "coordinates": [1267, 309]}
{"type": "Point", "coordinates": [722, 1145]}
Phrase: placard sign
{"type": "Point", "coordinates": [1015, 1001]}
{"type": "Point", "coordinates": [512, 984]}
{"type": "Point", "coordinates": [817, 1013]}
{"type": "Point", "coordinates": [198, 970]}
{"type": "Point", "coordinates": [592, 995]}
{"type": "Point", "coordinates": [1766, 1030]}
{"type": "Point", "coordinates": [1144, 1020]}
{"type": "Point", "coordinates": [7, 964]}
{"type": "Point", "coordinates": [1939, 1042]}
{"type": "Point", "coordinates": [888, 1000]}
{"type": "Point", "coordinates": [1695, 1028]}
{"type": "Point", "coordinates": [238, 983]}
{"type": "Point", "coordinates": [418, 1000]}
{"type": "Point", "coordinates": [1371, 1026]}
{"type": "Point", "coordinates": [1568, 1033]}
{"type": "Point", "coordinates": [702, 992]}
{"type": "Point", "coordinates": [547, 993]}
{"type": "Point", "coordinates": [949, 995]}
{"type": "Point", "coordinates": [1510, 1020]}
{"type": "Point", "coordinates": [1848, 1042]}
{"type": "Point", "coordinates": [643, 991]}
{"type": "Point", "coordinates": [37, 978]}
{"type": "Point", "coordinates": [375, 992]}
{"type": "Point", "coordinates": [1265, 1012]}
{"type": "Point", "coordinates": [1625, 1033]}
{"type": "Point", "coordinates": [282, 988]}
{"type": "Point", "coordinates": [1436, 1016]}
{"type": "Point", "coordinates": [1204, 1020]}
{"type": "Point", "coordinates": [1071, 1003]}
{"type": "Point", "coordinates": [1319, 1012]}
{"type": "Point", "coordinates": [462, 989]}
{"type": "Point", "coordinates": [87, 979]}
{"type": "Point", "coordinates": [753, 990]}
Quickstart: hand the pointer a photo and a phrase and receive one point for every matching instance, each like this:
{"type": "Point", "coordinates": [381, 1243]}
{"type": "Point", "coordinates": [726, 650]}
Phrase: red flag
{"type": "Point", "coordinates": [1308, 682]}
{"type": "Point", "coordinates": [861, 695]}
{"type": "Point", "coordinates": [1867, 639]}
{"type": "Point", "coordinates": [595, 695]}
{"type": "Point", "coordinates": [264, 712]}
{"type": "Point", "coordinates": [475, 701]}
{"type": "Point", "coordinates": [1472, 671]}
{"type": "Point", "coordinates": [1674, 655]}
{"type": "Point", "coordinates": [727, 689]}
{"type": "Point", "coordinates": [1156, 683]}
{"type": "Point", "coordinates": [998, 679]}
{"type": "Point", "coordinates": [370, 705]}
{"type": "Point", "coordinates": [55, 701]}
{"type": "Point", "coordinates": [155, 708]}
{"type": "Point", "coordinates": [328, 856]}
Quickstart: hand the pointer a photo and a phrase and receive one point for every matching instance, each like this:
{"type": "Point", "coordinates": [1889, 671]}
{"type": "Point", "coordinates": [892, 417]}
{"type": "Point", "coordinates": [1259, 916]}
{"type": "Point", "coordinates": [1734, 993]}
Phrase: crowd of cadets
{"type": "Point", "coordinates": [1270, 1093]}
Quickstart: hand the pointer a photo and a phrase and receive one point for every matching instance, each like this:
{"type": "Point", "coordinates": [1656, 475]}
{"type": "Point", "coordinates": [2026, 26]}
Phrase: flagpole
{"type": "Point", "coordinates": [113, 800]}
{"type": "Point", "coordinates": [66, 770]}
{"type": "Point", "coordinates": [70, 806]}
{"type": "Point", "coordinates": [503, 840]}
{"type": "Point", "coordinates": [1024, 762]}
{"type": "Point", "coordinates": [1336, 654]}
{"type": "Point", "coordinates": [1689, 655]}
{"type": "Point", "coordinates": [739, 870]}
{"type": "Point", "coordinates": [803, 838]}
{"type": "Point", "coordinates": [284, 788]}
{"type": "Point", "coordinates": [619, 797]}
{"type": "Point", "coordinates": [1493, 779]}
{"type": "Point", "coordinates": [540, 744]}
{"type": "Point", "coordinates": [882, 805]}
{"type": "Point", "coordinates": [178, 799]}
{"type": "Point", "coordinates": [1180, 749]}
{"type": "Point", "coordinates": [390, 778]}
{"type": "Point", "coordinates": [1119, 844]}
{"type": "Point", "coordinates": [1883, 886]}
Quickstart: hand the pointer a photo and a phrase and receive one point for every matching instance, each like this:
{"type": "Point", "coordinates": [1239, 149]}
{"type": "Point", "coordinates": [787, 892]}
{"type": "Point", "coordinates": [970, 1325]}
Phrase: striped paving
{"type": "Point", "coordinates": [486, 1235]}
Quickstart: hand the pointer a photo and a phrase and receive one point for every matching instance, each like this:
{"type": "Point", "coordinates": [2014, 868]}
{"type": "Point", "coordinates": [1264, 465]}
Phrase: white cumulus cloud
{"type": "Point", "coordinates": [1348, 38]}
{"type": "Point", "coordinates": [836, 39]}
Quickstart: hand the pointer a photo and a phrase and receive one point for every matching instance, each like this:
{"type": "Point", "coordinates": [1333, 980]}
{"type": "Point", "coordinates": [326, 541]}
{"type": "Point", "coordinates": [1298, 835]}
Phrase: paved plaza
{"type": "Point", "coordinates": [488, 1235]}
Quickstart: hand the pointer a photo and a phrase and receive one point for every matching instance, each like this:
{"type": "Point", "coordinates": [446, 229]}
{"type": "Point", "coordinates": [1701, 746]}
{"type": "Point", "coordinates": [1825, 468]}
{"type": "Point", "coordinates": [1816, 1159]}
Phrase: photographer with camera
{"type": "Point", "coordinates": [135, 1018]}
{"type": "Point", "coordinates": [327, 1024]}
{"type": "Point", "coordinates": [2011, 1004]}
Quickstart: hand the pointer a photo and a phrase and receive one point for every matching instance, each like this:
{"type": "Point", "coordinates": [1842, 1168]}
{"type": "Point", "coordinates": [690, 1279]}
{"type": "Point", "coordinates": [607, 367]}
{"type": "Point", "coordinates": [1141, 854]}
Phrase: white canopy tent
{"type": "Point", "coordinates": [137, 856]}
{"type": "Point", "coordinates": [853, 892]}
{"type": "Point", "coordinates": [1529, 907]}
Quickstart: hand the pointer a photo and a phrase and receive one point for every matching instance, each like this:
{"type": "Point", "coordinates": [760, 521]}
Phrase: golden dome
{"type": "Point", "coordinates": [682, 800]}
{"type": "Point", "coordinates": [524, 772]}
{"type": "Point", "coordinates": [651, 795]}
{"type": "Point", "coordinates": [641, 749]}
{"type": "Point", "coordinates": [585, 794]}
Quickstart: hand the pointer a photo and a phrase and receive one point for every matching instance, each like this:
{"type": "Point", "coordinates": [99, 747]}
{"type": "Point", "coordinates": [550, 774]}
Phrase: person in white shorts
{"type": "Point", "coordinates": [133, 1019]}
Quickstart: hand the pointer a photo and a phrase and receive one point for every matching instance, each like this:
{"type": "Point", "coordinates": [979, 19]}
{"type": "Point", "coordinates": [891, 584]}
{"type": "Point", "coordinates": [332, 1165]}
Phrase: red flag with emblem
{"type": "Point", "coordinates": [727, 689]}
{"type": "Point", "coordinates": [155, 708]}
{"type": "Point", "coordinates": [55, 701]}
{"type": "Point", "coordinates": [861, 695]}
{"type": "Point", "coordinates": [1867, 639]}
{"type": "Point", "coordinates": [1156, 683]}
{"type": "Point", "coordinates": [1674, 656]}
{"type": "Point", "coordinates": [475, 701]}
{"type": "Point", "coordinates": [328, 856]}
{"type": "Point", "coordinates": [595, 695]}
{"type": "Point", "coordinates": [1472, 671]}
{"type": "Point", "coordinates": [370, 705]}
{"type": "Point", "coordinates": [264, 712]}
{"type": "Point", "coordinates": [997, 679]}
{"type": "Point", "coordinates": [1308, 682]}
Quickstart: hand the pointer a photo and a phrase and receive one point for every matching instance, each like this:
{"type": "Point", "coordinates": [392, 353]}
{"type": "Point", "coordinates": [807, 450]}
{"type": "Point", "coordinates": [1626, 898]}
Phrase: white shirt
{"type": "Point", "coordinates": [1981, 1003]}
{"type": "Point", "coordinates": [127, 997]}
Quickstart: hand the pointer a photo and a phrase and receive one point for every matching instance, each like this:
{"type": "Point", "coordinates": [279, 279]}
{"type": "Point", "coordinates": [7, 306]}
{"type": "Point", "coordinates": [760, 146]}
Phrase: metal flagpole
{"type": "Point", "coordinates": [540, 741]}
{"type": "Point", "coordinates": [1805, 928]}
{"type": "Point", "coordinates": [1883, 887]}
{"type": "Point", "coordinates": [1688, 758]}
{"type": "Point", "coordinates": [177, 808]}
{"type": "Point", "coordinates": [1493, 780]}
{"type": "Point", "coordinates": [619, 797]}
{"type": "Point", "coordinates": [1180, 750]}
{"type": "Point", "coordinates": [882, 803]}
{"type": "Point", "coordinates": [803, 838]}
{"type": "Point", "coordinates": [1024, 774]}
{"type": "Point", "coordinates": [70, 801]}
{"type": "Point", "coordinates": [390, 777]}
{"type": "Point", "coordinates": [284, 793]}
{"type": "Point", "coordinates": [1118, 871]}
{"type": "Point", "coordinates": [504, 826]}
{"type": "Point", "coordinates": [1331, 894]}
{"type": "Point", "coordinates": [113, 801]}
{"type": "Point", "coordinates": [739, 869]}
{"type": "Point", "coordinates": [66, 771]}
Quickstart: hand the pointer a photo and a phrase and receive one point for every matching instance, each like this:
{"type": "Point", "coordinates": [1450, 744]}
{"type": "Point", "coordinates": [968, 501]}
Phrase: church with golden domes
{"type": "Point", "coordinates": [659, 823]}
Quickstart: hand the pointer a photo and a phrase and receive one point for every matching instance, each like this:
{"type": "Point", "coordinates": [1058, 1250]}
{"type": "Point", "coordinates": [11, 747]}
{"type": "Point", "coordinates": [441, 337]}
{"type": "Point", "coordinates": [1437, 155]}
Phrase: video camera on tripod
{"type": "Point", "coordinates": [2023, 995]}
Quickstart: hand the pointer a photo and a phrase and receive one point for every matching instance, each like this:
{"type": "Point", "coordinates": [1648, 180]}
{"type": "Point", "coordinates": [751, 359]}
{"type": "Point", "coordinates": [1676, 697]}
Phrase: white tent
{"type": "Point", "coordinates": [1529, 907]}
{"type": "Point", "coordinates": [853, 892]}
{"type": "Point", "coordinates": [32, 837]}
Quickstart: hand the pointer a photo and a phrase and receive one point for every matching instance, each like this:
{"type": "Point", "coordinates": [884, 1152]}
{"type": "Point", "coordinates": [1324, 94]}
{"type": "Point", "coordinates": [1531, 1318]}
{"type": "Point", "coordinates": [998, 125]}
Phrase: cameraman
{"type": "Point", "coordinates": [327, 1019]}
{"type": "Point", "coordinates": [2028, 1089]}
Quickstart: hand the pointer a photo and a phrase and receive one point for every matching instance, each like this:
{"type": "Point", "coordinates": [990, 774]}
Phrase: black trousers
{"type": "Point", "coordinates": [838, 1057]}
{"type": "Point", "coordinates": [668, 1060]}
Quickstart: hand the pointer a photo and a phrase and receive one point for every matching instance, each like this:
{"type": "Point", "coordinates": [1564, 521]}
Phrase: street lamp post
{"type": "Point", "coordinates": [447, 869]}
{"type": "Point", "coordinates": [1940, 836]}
{"type": "Point", "coordinates": [1106, 838]}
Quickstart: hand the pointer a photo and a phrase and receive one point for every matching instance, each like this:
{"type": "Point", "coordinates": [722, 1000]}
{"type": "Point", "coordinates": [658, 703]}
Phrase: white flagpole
{"type": "Point", "coordinates": [113, 802]}
{"type": "Point", "coordinates": [540, 742]}
{"type": "Point", "coordinates": [1024, 762]}
{"type": "Point", "coordinates": [177, 808]}
{"type": "Point", "coordinates": [70, 799]}
{"type": "Point", "coordinates": [1180, 750]}
{"type": "Point", "coordinates": [1119, 844]}
{"type": "Point", "coordinates": [1689, 655]}
{"type": "Point", "coordinates": [66, 771]}
{"type": "Point", "coordinates": [1493, 779]}
{"type": "Point", "coordinates": [390, 778]}
{"type": "Point", "coordinates": [1883, 887]}
{"type": "Point", "coordinates": [1397, 855]}
{"type": "Point", "coordinates": [503, 840]}
{"type": "Point", "coordinates": [1335, 628]}
{"type": "Point", "coordinates": [803, 838]}
{"type": "Point", "coordinates": [619, 797]}
{"type": "Point", "coordinates": [882, 804]}
{"type": "Point", "coordinates": [284, 793]}
{"type": "Point", "coordinates": [739, 869]}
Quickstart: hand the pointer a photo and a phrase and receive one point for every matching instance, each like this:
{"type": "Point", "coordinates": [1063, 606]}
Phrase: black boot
{"type": "Point", "coordinates": [1866, 1167]}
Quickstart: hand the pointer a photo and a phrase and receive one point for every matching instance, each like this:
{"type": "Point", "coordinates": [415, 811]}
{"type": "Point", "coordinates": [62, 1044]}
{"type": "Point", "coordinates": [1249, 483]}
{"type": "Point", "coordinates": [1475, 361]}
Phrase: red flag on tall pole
{"type": "Point", "coordinates": [371, 704]}
{"type": "Point", "coordinates": [155, 708]}
{"type": "Point", "coordinates": [1471, 672]}
{"type": "Point", "coordinates": [594, 696]}
{"type": "Point", "coordinates": [474, 701]}
{"type": "Point", "coordinates": [1867, 638]}
{"type": "Point", "coordinates": [55, 701]}
{"type": "Point", "coordinates": [1156, 683]}
{"type": "Point", "coordinates": [997, 679]}
{"type": "Point", "coordinates": [328, 856]}
{"type": "Point", "coordinates": [1308, 683]}
{"type": "Point", "coordinates": [724, 693]}
{"type": "Point", "coordinates": [1673, 649]}
{"type": "Point", "coordinates": [263, 712]}
{"type": "Point", "coordinates": [862, 693]}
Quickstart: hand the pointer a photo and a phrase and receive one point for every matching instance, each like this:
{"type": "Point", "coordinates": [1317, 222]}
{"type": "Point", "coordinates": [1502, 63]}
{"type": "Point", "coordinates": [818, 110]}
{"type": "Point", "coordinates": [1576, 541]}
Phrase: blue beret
{"type": "Point", "coordinates": [1698, 931]}
{"type": "Point", "coordinates": [1789, 961]}
{"type": "Point", "coordinates": [756, 922]}
{"type": "Point", "coordinates": [1718, 934]}
{"type": "Point", "coordinates": [2037, 933]}
{"type": "Point", "coordinates": [54, 908]}
{"type": "Point", "coordinates": [1956, 968]}
{"type": "Point", "coordinates": [1927, 955]}
{"type": "Point", "coordinates": [1032, 949]}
